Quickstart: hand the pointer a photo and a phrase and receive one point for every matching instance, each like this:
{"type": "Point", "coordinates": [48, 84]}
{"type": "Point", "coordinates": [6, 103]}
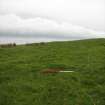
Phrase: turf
{"type": "Point", "coordinates": [23, 83]}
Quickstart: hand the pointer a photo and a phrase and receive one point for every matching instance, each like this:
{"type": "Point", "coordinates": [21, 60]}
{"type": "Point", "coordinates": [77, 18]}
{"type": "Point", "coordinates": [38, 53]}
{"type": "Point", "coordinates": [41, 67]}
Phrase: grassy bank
{"type": "Point", "coordinates": [23, 83]}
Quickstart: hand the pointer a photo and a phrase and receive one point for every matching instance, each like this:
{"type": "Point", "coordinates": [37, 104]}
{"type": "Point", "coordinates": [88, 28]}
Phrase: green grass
{"type": "Point", "coordinates": [23, 83]}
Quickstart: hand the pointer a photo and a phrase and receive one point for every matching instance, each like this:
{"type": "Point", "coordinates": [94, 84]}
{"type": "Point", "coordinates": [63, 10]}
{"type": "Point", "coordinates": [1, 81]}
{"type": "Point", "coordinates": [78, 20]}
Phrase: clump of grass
{"type": "Point", "coordinates": [56, 66]}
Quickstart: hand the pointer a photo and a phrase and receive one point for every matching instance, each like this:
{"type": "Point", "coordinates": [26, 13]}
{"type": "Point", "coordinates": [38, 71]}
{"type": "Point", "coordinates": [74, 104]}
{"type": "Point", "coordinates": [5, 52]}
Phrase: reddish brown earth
{"type": "Point", "coordinates": [49, 71]}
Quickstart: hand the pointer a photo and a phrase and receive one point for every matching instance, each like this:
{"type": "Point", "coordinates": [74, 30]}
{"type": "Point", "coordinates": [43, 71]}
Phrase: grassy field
{"type": "Point", "coordinates": [23, 83]}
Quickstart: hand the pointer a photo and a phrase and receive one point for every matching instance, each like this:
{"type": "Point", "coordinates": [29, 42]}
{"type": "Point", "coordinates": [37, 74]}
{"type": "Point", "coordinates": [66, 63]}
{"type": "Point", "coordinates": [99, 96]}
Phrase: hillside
{"type": "Point", "coordinates": [22, 81]}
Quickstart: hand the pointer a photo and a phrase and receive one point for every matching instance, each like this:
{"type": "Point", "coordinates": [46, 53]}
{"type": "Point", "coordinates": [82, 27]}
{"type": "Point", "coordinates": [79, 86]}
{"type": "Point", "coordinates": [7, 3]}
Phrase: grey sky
{"type": "Point", "coordinates": [69, 17]}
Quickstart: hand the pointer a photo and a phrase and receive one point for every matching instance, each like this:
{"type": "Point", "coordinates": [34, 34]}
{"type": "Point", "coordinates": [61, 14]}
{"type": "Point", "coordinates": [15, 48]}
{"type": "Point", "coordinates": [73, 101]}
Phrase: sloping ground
{"type": "Point", "coordinates": [23, 83]}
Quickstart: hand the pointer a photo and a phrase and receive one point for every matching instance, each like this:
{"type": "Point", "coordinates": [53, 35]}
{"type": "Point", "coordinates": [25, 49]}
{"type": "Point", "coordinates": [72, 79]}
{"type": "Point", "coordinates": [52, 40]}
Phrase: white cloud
{"type": "Point", "coordinates": [42, 26]}
{"type": "Point", "coordinates": [86, 13]}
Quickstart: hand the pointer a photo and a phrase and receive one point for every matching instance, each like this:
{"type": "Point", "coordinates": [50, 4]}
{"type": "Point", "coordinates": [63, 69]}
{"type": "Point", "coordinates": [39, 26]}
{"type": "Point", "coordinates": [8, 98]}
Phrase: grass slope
{"type": "Point", "coordinates": [22, 83]}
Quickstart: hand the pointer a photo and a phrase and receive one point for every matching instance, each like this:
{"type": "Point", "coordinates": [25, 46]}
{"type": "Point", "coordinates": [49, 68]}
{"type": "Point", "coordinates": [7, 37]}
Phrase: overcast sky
{"type": "Point", "coordinates": [53, 18]}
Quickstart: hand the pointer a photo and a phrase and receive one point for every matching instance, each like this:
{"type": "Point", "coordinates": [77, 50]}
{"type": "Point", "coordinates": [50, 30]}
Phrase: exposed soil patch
{"type": "Point", "coordinates": [51, 70]}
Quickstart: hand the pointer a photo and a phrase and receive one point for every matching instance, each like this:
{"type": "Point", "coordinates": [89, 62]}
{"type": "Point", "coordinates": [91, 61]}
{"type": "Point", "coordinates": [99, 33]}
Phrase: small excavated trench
{"type": "Point", "coordinates": [54, 70]}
